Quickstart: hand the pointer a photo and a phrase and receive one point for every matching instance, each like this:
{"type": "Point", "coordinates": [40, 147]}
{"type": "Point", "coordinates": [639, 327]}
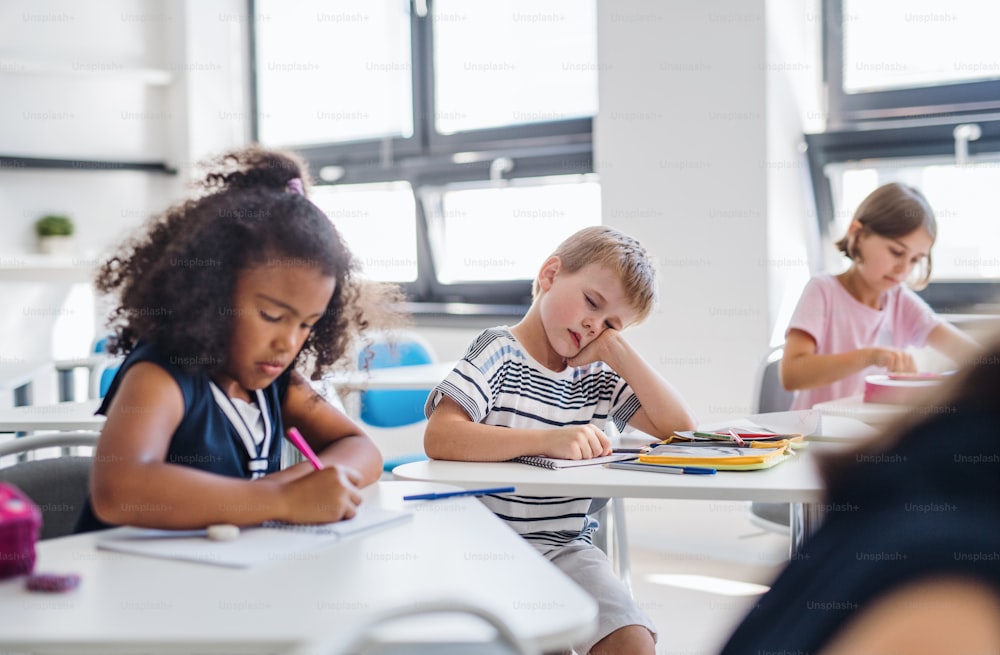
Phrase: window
{"type": "Point", "coordinates": [364, 214]}
{"type": "Point", "coordinates": [968, 244]}
{"type": "Point", "coordinates": [906, 58]}
{"type": "Point", "coordinates": [547, 209]}
{"type": "Point", "coordinates": [463, 130]}
{"type": "Point", "coordinates": [920, 108]}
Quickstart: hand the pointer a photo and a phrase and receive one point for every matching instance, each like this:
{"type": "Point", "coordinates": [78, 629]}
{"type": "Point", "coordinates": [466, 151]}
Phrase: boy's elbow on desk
{"type": "Point", "coordinates": [435, 444]}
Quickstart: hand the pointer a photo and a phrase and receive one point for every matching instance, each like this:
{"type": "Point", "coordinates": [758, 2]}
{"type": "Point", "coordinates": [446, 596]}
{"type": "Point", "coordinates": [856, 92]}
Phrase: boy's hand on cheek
{"type": "Point", "coordinates": [577, 442]}
{"type": "Point", "coordinates": [601, 349]}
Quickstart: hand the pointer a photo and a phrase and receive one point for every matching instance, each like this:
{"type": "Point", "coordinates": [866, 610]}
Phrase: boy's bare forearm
{"type": "Point", "coordinates": [664, 410]}
{"type": "Point", "coordinates": [468, 441]}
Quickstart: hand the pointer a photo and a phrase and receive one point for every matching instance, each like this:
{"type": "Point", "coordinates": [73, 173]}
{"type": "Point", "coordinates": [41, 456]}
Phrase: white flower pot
{"type": "Point", "coordinates": [56, 245]}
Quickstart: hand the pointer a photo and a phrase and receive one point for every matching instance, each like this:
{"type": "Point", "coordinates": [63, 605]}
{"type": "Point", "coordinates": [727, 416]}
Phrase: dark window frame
{"type": "Point", "coordinates": [428, 159]}
{"type": "Point", "coordinates": [960, 98]}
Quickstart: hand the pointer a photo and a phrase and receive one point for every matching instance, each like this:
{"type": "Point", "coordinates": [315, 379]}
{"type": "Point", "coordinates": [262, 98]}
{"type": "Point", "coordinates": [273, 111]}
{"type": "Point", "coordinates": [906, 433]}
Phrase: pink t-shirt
{"type": "Point", "coordinates": [840, 323]}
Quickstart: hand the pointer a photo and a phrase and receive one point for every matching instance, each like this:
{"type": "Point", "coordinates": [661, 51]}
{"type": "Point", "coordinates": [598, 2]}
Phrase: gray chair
{"type": "Point", "coordinates": [770, 396]}
{"type": "Point", "coordinates": [58, 485]}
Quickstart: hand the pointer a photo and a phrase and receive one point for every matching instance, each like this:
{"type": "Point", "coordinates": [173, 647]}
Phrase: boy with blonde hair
{"type": "Point", "coordinates": [547, 386]}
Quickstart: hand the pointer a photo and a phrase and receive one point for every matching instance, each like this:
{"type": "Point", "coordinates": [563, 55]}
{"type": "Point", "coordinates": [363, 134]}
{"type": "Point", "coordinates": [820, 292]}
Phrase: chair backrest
{"type": "Point", "coordinates": [387, 409]}
{"type": "Point", "coordinates": [769, 395]}
{"type": "Point", "coordinates": [368, 638]}
{"type": "Point", "coordinates": [101, 345]}
{"type": "Point", "coordinates": [58, 485]}
{"type": "Point", "coordinates": [102, 375]}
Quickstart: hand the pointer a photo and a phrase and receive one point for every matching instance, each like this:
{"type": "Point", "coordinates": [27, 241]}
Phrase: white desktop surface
{"type": "Point", "coordinates": [14, 374]}
{"type": "Point", "coordinates": [419, 376]}
{"type": "Point", "coordinates": [452, 549]}
{"type": "Point", "coordinates": [876, 414]}
{"type": "Point", "coordinates": [80, 415]}
{"type": "Point", "coordinates": [56, 416]}
{"type": "Point", "coordinates": [794, 481]}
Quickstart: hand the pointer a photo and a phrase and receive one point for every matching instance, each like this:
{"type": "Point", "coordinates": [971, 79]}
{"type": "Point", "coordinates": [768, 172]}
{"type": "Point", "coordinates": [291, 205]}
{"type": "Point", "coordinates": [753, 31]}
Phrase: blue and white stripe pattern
{"type": "Point", "coordinates": [499, 383]}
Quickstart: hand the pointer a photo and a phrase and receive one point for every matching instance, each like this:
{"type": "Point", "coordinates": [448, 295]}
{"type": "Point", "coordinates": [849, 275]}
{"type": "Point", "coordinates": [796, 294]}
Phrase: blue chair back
{"type": "Point", "coordinates": [389, 409]}
{"type": "Point", "coordinates": [107, 375]}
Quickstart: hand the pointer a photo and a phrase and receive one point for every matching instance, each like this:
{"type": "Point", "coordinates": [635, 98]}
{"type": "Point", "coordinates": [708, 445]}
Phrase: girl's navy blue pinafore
{"type": "Point", "coordinates": [205, 439]}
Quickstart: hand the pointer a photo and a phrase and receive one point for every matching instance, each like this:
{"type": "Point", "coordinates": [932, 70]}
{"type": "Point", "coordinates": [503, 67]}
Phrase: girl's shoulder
{"type": "Point", "coordinates": [823, 281]}
{"type": "Point", "coordinates": [190, 384]}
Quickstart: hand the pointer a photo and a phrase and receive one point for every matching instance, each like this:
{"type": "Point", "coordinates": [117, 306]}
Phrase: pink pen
{"type": "Point", "coordinates": [299, 442]}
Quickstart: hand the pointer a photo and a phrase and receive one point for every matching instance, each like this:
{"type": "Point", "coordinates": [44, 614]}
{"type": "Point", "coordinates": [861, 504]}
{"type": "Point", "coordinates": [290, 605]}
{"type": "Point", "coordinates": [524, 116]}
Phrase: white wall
{"type": "Point", "coordinates": [794, 106]}
{"type": "Point", "coordinates": [141, 80]}
{"type": "Point", "coordinates": [680, 147]}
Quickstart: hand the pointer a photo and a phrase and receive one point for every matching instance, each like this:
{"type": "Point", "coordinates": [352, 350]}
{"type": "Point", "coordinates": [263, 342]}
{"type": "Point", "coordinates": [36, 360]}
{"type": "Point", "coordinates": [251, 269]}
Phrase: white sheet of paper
{"type": "Point", "coordinates": [254, 546]}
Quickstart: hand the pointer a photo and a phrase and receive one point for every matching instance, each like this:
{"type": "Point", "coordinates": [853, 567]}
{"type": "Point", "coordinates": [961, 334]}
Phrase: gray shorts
{"type": "Point", "coordinates": [588, 566]}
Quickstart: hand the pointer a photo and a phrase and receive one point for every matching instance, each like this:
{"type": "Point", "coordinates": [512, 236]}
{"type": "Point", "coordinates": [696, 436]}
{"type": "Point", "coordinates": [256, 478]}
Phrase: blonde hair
{"type": "Point", "coordinates": [616, 251]}
{"type": "Point", "coordinates": [893, 210]}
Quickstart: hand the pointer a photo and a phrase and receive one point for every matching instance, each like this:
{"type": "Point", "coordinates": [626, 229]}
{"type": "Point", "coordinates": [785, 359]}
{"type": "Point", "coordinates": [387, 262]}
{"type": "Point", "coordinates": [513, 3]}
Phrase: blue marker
{"type": "Point", "coordinates": [467, 492]}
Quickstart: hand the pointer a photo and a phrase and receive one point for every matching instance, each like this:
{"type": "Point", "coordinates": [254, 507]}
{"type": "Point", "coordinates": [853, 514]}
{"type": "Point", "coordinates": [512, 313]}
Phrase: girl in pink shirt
{"type": "Point", "coordinates": [862, 321]}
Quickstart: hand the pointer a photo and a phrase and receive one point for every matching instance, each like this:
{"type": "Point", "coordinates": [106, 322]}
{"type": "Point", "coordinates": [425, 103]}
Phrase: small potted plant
{"type": "Point", "coordinates": [55, 234]}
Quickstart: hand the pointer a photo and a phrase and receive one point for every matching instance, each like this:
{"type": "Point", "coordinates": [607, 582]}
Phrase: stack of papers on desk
{"type": "Point", "coordinates": [722, 458]}
{"type": "Point", "coordinates": [751, 438]}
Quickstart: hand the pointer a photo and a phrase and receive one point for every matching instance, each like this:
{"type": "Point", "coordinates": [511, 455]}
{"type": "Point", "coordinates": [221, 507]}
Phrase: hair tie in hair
{"type": "Point", "coordinates": [295, 186]}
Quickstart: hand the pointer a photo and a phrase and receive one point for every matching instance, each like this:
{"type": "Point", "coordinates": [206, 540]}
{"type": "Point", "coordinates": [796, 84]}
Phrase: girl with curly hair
{"type": "Point", "coordinates": [221, 299]}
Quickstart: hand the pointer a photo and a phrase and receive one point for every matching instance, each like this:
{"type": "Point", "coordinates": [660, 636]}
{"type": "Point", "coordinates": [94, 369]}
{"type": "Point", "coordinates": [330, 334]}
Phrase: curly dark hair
{"type": "Point", "coordinates": [175, 279]}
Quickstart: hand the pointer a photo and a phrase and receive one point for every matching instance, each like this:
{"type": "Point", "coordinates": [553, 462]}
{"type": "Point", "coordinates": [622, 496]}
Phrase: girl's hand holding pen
{"type": "Point", "coordinates": [323, 496]}
{"type": "Point", "coordinates": [331, 492]}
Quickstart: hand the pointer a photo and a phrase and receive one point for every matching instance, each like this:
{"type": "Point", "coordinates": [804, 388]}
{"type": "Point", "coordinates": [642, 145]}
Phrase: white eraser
{"type": "Point", "coordinates": [223, 532]}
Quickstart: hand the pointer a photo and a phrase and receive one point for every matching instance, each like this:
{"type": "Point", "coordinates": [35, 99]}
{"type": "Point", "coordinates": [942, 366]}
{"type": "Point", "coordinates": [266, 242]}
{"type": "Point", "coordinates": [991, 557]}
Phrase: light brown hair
{"type": "Point", "coordinates": [893, 210]}
{"type": "Point", "coordinates": [618, 252]}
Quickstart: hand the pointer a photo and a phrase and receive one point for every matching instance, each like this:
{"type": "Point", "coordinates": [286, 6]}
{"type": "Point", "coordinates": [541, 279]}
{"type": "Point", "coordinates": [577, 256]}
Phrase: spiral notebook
{"type": "Point", "coordinates": [555, 463]}
{"type": "Point", "coordinates": [266, 543]}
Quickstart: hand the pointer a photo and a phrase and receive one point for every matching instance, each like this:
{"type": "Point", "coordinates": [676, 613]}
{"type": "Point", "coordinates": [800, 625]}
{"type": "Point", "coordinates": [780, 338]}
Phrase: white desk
{"type": "Point", "coordinates": [795, 481]}
{"type": "Point", "coordinates": [419, 376]}
{"type": "Point", "coordinates": [80, 415]}
{"type": "Point", "coordinates": [452, 549]}
{"type": "Point", "coordinates": [57, 416]}
{"type": "Point", "coordinates": [19, 376]}
{"type": "Point", "coordinates": [855, 407]}
{"type": "Point", "coordinates": [348, 384]}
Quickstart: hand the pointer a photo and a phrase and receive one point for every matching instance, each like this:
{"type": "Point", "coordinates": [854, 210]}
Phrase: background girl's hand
{"type": "Point", "coordinates": [896, 361]}
{"type": "Point", "coordinates": [323, 496]}
{"type": "Point", "coordinates": [577, 442]}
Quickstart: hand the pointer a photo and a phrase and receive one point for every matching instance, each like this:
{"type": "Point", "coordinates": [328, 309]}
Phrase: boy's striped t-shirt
{"type": "Point", "coordinates": [498, 383]}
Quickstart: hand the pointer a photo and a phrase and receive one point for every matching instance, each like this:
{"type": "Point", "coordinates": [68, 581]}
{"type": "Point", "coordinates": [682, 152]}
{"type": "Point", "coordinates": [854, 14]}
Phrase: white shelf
{"type": "Point", "coordinates": [46, 268]}
{"type": "Point", "coordinates": [88, 71]}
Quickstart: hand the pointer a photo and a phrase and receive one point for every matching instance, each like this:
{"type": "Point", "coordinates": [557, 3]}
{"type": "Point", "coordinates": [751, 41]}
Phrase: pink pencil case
{"type": "Point", "coordinates": [20, 525]}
